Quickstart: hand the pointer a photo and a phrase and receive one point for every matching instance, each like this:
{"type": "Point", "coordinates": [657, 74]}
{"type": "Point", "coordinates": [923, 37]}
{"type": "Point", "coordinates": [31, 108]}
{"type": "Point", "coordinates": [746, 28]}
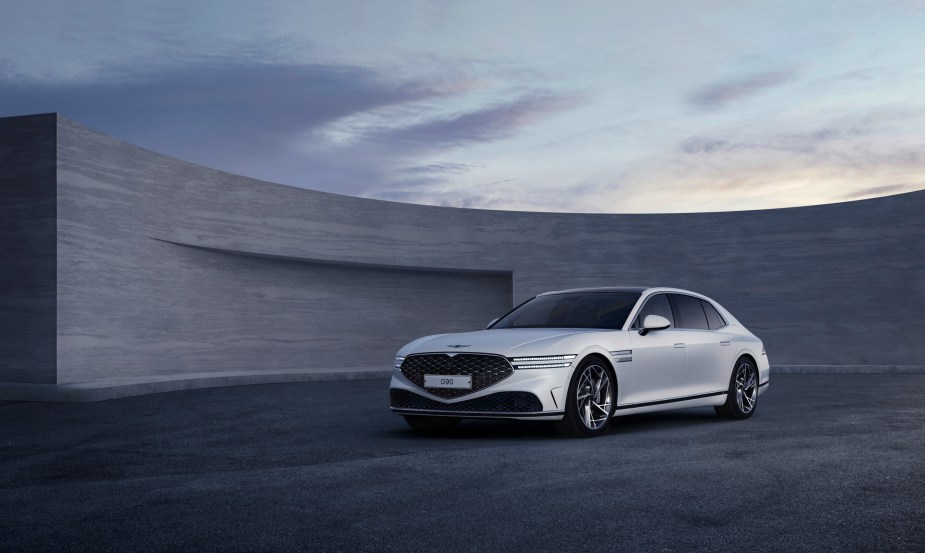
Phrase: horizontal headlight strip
{"type": "Point", "coordinates": [543, 362]}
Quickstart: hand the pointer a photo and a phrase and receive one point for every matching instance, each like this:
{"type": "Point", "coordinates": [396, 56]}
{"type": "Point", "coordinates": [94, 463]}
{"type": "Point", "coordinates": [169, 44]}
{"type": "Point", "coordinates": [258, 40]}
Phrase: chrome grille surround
{"type": "Point", "coordinates": [484, 368]}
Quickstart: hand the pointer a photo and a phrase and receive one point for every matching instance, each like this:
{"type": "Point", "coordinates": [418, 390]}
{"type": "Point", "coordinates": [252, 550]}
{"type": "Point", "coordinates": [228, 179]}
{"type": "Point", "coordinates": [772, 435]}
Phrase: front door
{"type": "Point", "coordinates": [659, 366]}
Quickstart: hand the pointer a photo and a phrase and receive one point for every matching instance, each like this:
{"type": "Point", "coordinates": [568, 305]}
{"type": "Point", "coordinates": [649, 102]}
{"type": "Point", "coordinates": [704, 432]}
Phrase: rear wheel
{"type": "Point", "coordinates": [430, 424]}
{"type": "Point", "coordinates": [742, 398]}
{"type": "Point", "coordinates": [590, 400]}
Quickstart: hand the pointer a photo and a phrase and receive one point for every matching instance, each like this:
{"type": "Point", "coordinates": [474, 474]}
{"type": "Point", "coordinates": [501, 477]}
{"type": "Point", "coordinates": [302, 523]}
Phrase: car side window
{"type": "Point", "coordinates": [714, 319]}
{"type": "Point", "coordinates": [690, 312]}
{"type": "Point", "coordinates": [656, 305]}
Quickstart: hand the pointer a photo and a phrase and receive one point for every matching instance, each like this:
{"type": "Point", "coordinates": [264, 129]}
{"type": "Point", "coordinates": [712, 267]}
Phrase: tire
{"type": "Point", "coordinates": [431, 424]}
{"type": "Point", "coordinates": [588, 410]}
{"type": "Point", "coordinates": [742, 398]}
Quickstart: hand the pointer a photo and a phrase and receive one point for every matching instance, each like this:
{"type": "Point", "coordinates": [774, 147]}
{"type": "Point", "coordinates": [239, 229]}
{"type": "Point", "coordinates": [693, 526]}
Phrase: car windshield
{"type": "Point", "coordinates": [572, 310]}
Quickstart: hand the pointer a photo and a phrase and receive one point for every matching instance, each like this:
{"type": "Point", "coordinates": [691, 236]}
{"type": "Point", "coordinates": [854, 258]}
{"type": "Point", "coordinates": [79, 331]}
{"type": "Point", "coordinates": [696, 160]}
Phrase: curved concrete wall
{"type": "Point", "coordinates": [165, 267]}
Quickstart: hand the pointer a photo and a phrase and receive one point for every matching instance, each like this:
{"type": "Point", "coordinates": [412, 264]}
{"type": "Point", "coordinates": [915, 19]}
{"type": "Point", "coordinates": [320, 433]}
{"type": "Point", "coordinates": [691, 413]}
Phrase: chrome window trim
{"type": "Point", "coordinates": [718, 312]}
{"type": "Point", "coordinates": [645, 300]}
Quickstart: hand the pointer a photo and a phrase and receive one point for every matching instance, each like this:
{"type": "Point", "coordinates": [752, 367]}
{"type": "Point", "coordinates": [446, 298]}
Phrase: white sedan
{"type": "Point", "coordinates": [582, 357]}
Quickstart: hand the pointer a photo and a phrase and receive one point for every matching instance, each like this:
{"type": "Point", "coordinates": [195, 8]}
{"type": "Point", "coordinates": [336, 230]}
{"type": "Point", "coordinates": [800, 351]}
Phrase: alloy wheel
{"type": "Point", "coordinates": [594, 395]}
{"type": "Point", "coordinates": [746, 387]}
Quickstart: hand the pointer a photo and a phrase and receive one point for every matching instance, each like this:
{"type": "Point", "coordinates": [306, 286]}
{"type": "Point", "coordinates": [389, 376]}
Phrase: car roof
{"type": "Point", "coordinates": [635, 289]}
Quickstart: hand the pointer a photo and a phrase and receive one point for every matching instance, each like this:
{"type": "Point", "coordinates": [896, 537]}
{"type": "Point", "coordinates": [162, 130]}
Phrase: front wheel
{"type": "Point", "coordinates": [742, 398]}
{"type": "Point", "coordinates": [430, 424]}
{"type": "Point", "coordinates": [590, 400]}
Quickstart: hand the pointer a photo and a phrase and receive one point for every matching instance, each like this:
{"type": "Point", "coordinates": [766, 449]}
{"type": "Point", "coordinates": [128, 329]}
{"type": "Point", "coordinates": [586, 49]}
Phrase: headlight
{"type": "Point", "coordinates": [398, 361]}
{"type": "Point", "coordinates": [543, 362]}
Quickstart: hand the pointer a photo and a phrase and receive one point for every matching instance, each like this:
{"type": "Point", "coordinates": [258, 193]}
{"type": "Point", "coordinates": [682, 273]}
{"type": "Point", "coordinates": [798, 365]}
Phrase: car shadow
{"type": "Point", "coordinates": [665, 420]}
{"type": "Point", "coordinates": [488, 429]}
{"type": "Point", "coordinates": [482, 429]}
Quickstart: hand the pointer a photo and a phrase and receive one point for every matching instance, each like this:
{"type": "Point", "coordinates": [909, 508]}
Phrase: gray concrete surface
{"type": "Point", "coordinates": [168, 268]}
{"type": "Point", "coordinates": [828, 463]}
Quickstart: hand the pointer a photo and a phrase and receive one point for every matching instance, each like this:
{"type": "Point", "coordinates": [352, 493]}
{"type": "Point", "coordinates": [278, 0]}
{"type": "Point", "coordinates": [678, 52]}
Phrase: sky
{"type": "Point", "coordinates": [583, 106]}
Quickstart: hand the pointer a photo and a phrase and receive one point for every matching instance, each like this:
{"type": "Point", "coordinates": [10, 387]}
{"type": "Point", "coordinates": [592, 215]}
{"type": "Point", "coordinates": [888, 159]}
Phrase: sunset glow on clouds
{"type": "Point", "coordinates": [551, 106]}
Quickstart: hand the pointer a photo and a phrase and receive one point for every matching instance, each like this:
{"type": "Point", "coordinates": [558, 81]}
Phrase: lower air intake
{"type": "Point", "coordinates": [501, 402]}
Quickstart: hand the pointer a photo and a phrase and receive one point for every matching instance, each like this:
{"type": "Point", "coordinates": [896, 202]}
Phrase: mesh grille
{"type": "Point", "coordinates": [485, 370]}
{"type": "Point", "coordinates": [502, 402]}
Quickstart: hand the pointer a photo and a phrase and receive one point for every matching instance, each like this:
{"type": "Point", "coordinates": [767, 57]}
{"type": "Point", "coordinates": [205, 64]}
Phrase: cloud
{"type": "Point", "coordinates": [835, 160]}
{"type": "Point", "coordinates": [721, 94]}
{"type": "Point", "coordinates": [417, 176]}
{"type": "Point", "coordinates": [845, 157]}
{"type": "Point", "coordinates": [884, 190]}
{"type": "Point", "coordinates": [502, 194]}
{"type": "Point", "coordinates": [390, 139]}
{"type": "Point", "coordinates": [8, 70]}
{"type": "Point", "coordinates": [220, 102]}
{"type": "Point", "coordinates": [268, 120]}
{"type": "Point", "coordinates": [436, 169]}
{"type": "Point", "coordinates": [242, 117]}
{"type": "Point", "coordinates": [860, 130]}
{"type": "Point", "coordinates": [481, 125]}
{"type": "Point", "coordinates": [707, 145]}
{"type": "Point", "coordinates": [445, 199]}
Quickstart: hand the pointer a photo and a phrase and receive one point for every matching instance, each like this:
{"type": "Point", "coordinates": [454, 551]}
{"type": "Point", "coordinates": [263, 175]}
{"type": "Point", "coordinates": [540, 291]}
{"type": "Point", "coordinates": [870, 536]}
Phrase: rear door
{"type": "Point", "coordinates": [706, 348]}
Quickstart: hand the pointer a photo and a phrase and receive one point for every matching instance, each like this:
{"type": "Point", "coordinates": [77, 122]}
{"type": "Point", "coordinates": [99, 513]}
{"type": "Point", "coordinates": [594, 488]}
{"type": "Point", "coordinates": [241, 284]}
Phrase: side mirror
{"type": "Point", "coordinates": [653, 322]}
{"type": "Point", "coordinates": [493, 321]}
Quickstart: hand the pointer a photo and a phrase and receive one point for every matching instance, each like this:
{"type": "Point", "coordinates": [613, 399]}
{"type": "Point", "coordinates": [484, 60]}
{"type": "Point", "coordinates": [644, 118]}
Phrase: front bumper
{"type": "Point", "coordinates": [529, 394]}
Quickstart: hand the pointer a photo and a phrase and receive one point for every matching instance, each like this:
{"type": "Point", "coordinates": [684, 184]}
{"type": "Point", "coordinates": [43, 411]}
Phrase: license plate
{"type": "Point", "coordinates": [447, 381]}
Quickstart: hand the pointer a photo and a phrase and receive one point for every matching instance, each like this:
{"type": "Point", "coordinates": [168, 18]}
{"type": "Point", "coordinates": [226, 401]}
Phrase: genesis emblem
{"type": "Point", "coordinates": [458, 346]}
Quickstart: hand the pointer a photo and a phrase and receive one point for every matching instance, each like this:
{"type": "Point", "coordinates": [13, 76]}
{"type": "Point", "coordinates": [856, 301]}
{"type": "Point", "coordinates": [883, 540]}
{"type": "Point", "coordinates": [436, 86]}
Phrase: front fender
{"type": "Point", "coordinates": [582, 355]}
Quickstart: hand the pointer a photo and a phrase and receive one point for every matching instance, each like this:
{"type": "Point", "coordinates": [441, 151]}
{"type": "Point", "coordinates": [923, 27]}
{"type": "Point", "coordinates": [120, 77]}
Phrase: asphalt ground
{"type": "Point", "coordinates": [827, 463]}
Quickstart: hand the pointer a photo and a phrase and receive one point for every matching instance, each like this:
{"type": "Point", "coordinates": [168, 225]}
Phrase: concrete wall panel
{"type": "Point", "coordinates": [203, 311]}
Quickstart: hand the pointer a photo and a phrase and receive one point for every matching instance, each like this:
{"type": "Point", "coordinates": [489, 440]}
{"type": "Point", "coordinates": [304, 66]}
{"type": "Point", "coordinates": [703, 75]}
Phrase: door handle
{"type": "Point", "coordinates": [679, 345]}
{"type": "Point", "coordinates": [725, 343]}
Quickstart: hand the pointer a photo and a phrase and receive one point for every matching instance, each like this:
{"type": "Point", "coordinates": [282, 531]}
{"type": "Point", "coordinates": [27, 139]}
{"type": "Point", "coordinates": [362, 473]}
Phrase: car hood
{"type": "Point", "coordinates": [508, 342]}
